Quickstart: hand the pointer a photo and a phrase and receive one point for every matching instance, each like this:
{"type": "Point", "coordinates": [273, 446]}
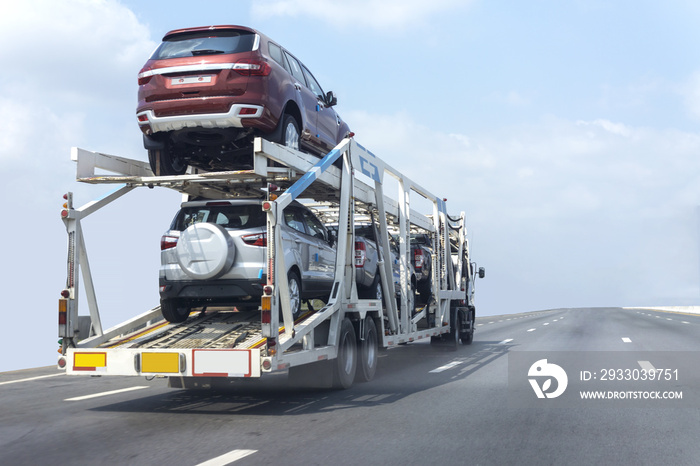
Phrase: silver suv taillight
{"type": "Point", "coordinates": [418, 258]}
{"type": "Point", "coordinates": [168, 242]}
{"type": "Point", "coordinates": [255, 240]}
{"type": "Point", "coordinates": [360, 254]}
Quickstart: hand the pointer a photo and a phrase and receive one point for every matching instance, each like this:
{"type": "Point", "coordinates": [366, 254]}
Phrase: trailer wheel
{"type": "Point", "coordinates": [452, 338]}
{"type": "Point", "coordinates": [468, 336]}
{"type": "Point", "coordinates": [172, 312]}
{"type": "Point", "coordinates": [165, 162]}
{"type": "Point", "coordinates": [367, 351]}
{"type": "Point", "coordinates": [346, 363]}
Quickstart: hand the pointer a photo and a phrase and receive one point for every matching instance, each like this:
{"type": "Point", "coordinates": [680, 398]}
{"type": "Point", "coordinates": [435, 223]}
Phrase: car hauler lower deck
{"type": "Point", "coordinates": [341, 334]}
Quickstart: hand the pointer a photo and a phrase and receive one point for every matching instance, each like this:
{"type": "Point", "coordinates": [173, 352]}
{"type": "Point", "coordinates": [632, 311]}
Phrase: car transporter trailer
{"type": "Point", "coordinates": [340, 339]}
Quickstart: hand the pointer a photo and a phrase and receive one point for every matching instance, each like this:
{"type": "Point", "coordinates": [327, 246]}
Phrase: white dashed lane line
{"type": "Point", "coordinates": [531, 330]}
{"type": "Point", "coordinates": [646, 365]}
{"type": "Point", "coordinates": [446, 367]}
{"type": "Point", "coordinates": [228, 458]}
{"type": "Point", "coordinates": [31, 378]}
{"type": "Point", "coordinates": [111, 392]}
{"type": "Point", "coordinates": [626, 340]}
{"type": "Point", "coordinates": [505, 341]}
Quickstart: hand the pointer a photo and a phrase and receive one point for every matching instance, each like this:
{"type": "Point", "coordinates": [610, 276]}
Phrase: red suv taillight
{"type": "Point", "coordinates": [252, 67]}
{"type": "Point", "coordinates": [418, 259]}
{"type": "Point", "coordinates": [143, 77]}
{"type": "Point", "coordinates": [168, 242]}
{"type": "Point", "coordinates": [255, 240]}
{"type": "Point", "coordinates": [360, 254]}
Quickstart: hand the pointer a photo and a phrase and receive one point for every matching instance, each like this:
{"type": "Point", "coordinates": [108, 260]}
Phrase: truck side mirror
{"type": "Point", "coordinates": [332, 237]}
{"type": "Point", "coordinates": [482, 272]}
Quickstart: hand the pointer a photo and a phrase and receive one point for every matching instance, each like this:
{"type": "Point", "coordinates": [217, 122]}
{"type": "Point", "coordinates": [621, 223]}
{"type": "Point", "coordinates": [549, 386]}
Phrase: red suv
{"type": "Point", "coordinates": [206, 92]}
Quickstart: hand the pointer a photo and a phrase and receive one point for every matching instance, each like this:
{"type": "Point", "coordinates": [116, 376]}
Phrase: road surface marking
{"type": "Point", "coordinates": [506, 341]}
{"type": "Point", "coordinates": [646, 365]}
{"type": "Point", "coordinates": [684, 322]}
{"type": "Point", "coordinates": [31, 378]}
{"type": "Point", "coordinates": [479, 325]}
{"type": "Point", "coordinates": [446, 367]}
{"type": "Point", "coordinates": [112, 392]}
{"type": "Point", "coordinates": [490, 322]}
{"type": "Point", "coordinates": [546, 323]}
{"type": "Point", "coordinates": [531, 330]}
{"type": "Point", "coordinates": [228, 458]}
{"type": "Point", "coordinates": [626, 340]}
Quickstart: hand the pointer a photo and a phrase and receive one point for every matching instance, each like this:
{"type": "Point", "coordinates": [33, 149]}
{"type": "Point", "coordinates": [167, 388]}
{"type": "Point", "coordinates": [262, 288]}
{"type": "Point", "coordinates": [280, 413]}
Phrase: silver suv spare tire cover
{"type": "Point", "coordinates": [205, 250]}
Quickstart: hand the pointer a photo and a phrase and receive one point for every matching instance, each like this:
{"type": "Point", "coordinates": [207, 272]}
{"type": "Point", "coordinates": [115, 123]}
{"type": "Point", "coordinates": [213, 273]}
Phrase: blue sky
{"type": "Point", "coordinates": [568, 132]}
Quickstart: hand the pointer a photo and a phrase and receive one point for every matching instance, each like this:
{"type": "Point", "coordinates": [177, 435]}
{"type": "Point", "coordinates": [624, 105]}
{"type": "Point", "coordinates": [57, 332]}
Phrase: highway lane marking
{"type": "Point", "coordinates": [646, 365]}
{"type": "Point", "coordinates": [626, 340]}
{"type": "Point", "coordinates": [31, 378]}
{"type": "Point", "coordinates": [668, 318]}
{"type": "Point", "coordinates": [684, 322]}
{"type": "Point", "coordinates": [111, 392]}
{"type": "Point", "coordinates": [490, 322]}
{"type": "Point", "coordinates": [531, 330]}
{"type": "Point", "coordinates": [546, 323]}
{"type": "Point", "coordinates": [446, 367]}
{"type": "Point", "coordinates": [228, 458]}
{"type": "Point", "coordinates": [506, 341]}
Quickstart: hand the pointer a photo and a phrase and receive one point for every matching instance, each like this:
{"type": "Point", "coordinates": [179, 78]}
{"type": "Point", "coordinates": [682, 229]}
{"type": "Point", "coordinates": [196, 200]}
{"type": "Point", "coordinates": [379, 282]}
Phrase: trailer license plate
{"type": "Point", "coordinates": [221, 363]}
{"type": "Point", "coordinates": [190, 80]}
{"type": "Point", "coordinates": [160, 363]}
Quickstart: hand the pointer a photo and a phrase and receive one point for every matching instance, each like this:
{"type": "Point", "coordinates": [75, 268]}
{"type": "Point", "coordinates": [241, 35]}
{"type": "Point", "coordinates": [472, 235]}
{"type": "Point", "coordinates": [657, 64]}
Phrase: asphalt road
{"type": "Point", "coordinates": [425, 406]}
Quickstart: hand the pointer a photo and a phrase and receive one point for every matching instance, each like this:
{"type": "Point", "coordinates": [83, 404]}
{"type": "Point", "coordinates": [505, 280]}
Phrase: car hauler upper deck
{"type": "Point", "coordinates": [341, 336]}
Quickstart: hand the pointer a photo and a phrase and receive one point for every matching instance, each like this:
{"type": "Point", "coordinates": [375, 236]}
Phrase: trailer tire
{"type": "Point", "coordinates": [367, 352]}
{"type": "Point", "coordinates": [468, 336]}
{"type": "Point", "coordinates": [172, 312]}
{"type": "Point", "coordinates": [452, 338]}
{"type": "Point", "coordinates": [345, 365]}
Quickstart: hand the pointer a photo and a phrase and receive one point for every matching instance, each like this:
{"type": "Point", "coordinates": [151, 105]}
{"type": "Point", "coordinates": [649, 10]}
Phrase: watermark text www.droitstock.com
{"type": "Point", "coordinates": [603, 378]}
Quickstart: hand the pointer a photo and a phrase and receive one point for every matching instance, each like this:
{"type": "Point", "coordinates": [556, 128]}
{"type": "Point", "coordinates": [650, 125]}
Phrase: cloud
{"type": "Point", "coordinates": [691, 94]}
{"type": "Point", "coordinates": [375, 14]}
{"type": "Point", "coordinates": [68, 79]}
{"type": "Point", "coordinates": [71, 50]}
{"type": "Point", "coordinates": [564, 213]}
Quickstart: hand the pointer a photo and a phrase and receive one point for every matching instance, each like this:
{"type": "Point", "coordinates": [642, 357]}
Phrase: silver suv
{"type": "Point", "coordinates": [214, 255]}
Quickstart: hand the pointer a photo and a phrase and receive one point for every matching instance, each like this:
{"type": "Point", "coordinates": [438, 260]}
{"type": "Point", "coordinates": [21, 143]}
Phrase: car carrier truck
{"type": "Point", "coordinates": [339, 337]}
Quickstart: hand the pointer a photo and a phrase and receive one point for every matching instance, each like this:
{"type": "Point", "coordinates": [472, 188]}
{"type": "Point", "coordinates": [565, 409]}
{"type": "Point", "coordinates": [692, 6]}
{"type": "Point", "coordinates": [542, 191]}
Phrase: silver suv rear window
{"type": "Point", "coordinates": [205, 43]}
{"type": "Point", "coordinates": [232, 217]}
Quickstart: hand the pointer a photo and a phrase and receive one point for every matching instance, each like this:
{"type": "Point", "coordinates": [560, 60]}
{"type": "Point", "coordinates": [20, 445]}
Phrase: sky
{"type": "Point", "coordinates": [567, 131]}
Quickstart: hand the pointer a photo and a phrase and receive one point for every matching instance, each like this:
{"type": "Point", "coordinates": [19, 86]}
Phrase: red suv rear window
{"type": "Point", "coordinates": [205, 43]}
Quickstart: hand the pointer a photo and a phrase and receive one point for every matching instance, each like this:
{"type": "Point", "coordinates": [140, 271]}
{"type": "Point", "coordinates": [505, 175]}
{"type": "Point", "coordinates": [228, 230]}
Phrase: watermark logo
{"type": "Point", "coordinates": [546, 372]}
